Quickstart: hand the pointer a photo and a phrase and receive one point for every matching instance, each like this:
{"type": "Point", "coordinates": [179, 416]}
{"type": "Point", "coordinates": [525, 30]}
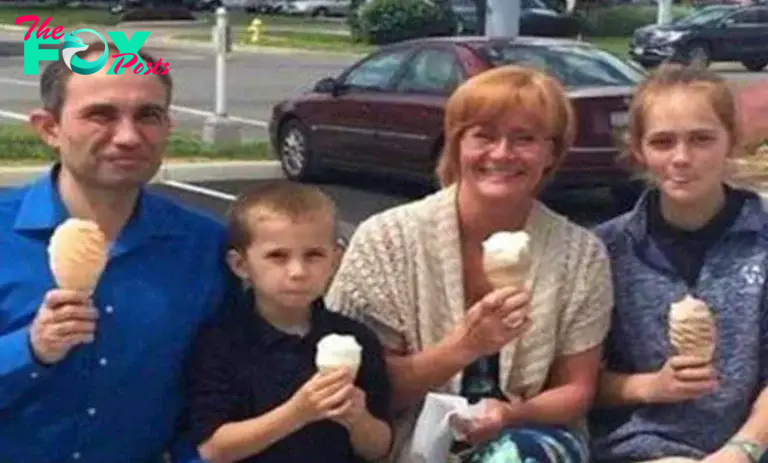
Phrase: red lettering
{"type": "Point", "coordinates": [25, 18]}
{"type": "Point", "coordinates": [138, 68]}
{"type": "Point", "coordinates": [58, 32]}
{"type": "Point", "coordinates": [120, 64]}
{"type": "Point", "coordinates": [167, 68]}
{"type": "Point", "coordinates": [157, 69]}
{"type": "Point", "coordinates": [42, 31]}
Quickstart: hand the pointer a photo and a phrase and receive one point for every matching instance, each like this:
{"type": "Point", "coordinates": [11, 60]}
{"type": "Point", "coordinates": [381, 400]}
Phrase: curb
{"type": "Point", "coordinates": [169, 171]}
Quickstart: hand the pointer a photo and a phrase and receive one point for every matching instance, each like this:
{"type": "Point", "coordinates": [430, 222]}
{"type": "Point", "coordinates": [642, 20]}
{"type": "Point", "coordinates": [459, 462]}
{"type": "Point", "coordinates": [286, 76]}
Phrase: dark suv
{"type": "Point", "coordinates": [713, 33]}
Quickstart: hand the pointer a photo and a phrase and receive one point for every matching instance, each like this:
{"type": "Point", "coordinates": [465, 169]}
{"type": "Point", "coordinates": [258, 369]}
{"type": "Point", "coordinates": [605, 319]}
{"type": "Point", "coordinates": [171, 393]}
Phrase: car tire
{"type": "Point", "coordinates": [320, 13]}
{"type": "Point", "coordinates": [755, 65]}
{"type": "Point", "coordinates": [698, 54]}
{"type": "Point", "coordinates": [295, 153]}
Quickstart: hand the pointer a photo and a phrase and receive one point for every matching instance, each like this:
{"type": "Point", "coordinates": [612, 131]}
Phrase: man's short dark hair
{"type": "Point", "coordinates": [54, 79]}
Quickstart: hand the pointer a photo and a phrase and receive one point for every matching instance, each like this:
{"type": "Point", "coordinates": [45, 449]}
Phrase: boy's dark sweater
{"type": "Point", "coordinates": [242, 367]}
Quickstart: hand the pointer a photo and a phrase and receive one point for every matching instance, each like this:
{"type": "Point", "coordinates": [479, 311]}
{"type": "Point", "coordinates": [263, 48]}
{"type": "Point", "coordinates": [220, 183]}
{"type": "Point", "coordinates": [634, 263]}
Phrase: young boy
{"type": "Point", "coordinates": [255, 394]}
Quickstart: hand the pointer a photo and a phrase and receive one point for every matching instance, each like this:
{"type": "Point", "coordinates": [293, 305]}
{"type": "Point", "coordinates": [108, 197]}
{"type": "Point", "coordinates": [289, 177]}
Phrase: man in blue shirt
{"type": "Point", "coordinates": [97, 378]}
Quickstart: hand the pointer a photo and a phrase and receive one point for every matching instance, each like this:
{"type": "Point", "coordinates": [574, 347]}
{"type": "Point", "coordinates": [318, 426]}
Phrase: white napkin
{"type": "Point", "coordinates": [435, 427]}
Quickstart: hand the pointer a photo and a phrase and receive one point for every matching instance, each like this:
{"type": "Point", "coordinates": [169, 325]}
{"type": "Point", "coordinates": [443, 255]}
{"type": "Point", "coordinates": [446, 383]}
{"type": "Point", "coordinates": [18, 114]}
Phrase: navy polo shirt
{"type": "Point", "coordinates": [243, 367]}
{"type": "Point", "coordinates": [733, 282]}
{"type": "Point", "coordinates": [118, 399]}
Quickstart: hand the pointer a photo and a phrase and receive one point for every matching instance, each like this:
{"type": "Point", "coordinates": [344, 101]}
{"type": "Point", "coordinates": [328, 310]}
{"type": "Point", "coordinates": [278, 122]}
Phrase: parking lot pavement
{"type": "Point", "coordinates": [360, 196]}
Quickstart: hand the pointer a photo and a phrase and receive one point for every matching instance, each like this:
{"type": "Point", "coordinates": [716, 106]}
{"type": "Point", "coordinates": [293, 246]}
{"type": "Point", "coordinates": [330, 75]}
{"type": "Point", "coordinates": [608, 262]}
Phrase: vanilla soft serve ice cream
{"type": "Point", "coordinates": [507, 258]}
{"type": "Point", "coordinates": [338, 351]}
{"type": "Point", "coordinates": [692, 329]}
{"type": "Point", "coordinates": [77, 254]}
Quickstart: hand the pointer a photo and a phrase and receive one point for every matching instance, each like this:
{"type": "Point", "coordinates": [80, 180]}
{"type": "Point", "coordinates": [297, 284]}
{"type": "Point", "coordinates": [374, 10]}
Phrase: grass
{"type": "Point", "coordinates": [61, 16]}
{"type": "Point", "coordinates": [619, 46]}
{"type": "Point", "coordinates": [241, 18]}
{"type": "Point", "coordinates": [20, 145]}
{"type": "Point", "coordinates": [312, 41]}
{"type": "Point", "coordinates": [316, 41]}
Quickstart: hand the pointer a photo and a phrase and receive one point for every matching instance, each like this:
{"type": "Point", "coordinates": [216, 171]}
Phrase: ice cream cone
{"type": "Point", "coordinates": [507, 258]}
{"type": "Point", "coordinates": [338, 351]}
{"type": "Point", "coordinates": [692, 329]}
{"type": "Point", "coordinates": [77, 254]}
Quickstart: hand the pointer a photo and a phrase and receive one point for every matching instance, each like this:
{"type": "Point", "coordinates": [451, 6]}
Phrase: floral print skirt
{"type": "Point", "coordinates": [543, 444]}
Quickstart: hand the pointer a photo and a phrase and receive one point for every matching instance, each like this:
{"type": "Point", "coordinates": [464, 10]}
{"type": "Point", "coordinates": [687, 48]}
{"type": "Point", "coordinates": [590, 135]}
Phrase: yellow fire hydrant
{"type": "Point", "coordinates": [255, 30]}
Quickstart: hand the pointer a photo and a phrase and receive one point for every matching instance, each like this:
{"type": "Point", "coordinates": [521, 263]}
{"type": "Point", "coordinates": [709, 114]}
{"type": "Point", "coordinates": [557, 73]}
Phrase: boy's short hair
{"type": "Point", "coordinates": [283, 198]}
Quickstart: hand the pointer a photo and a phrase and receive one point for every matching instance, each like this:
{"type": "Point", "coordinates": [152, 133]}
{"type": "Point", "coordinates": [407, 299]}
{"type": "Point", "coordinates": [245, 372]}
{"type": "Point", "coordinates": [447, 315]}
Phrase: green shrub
{"type": "Point", "coordinates": [381, 22]}
{"type": "Point", "coordinates": [621, 21]}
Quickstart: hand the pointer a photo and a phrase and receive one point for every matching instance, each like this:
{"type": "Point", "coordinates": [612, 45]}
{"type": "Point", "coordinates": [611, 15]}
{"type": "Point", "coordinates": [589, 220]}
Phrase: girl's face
{"type": "Point", "coordinates": [685, 145]}
{"type": "Point", "coordinates": [505, 162]}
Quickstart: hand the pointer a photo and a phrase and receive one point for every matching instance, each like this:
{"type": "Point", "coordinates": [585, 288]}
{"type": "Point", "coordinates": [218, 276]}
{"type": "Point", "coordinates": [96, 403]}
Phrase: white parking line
{"type": "Point", "coordinates": [177, 108]}
{"type": "Point", "coordinates": [346, 229]}
{"type": "Point", "coordinates": [14, 115]}
{"type": "Point", "coordinates": [199, 190]}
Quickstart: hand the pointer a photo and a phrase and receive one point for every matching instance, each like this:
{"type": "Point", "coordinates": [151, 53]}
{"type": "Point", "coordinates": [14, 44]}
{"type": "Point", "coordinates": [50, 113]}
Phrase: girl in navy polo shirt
{"type": "Point", "coordinates": [689, 234]}
{"type": "Point", "coordinates": [255, 393]}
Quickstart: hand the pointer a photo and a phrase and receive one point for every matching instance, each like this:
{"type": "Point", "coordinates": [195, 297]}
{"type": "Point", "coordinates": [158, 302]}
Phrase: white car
{"type": "Point", "coordinates": [318, 8]}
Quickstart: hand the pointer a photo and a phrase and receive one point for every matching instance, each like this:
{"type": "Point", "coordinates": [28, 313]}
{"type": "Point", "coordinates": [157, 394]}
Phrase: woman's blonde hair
{"type": "Point", "coordinates": [675, 76]}
{"type": "Point", "coordinates": [493, 96]}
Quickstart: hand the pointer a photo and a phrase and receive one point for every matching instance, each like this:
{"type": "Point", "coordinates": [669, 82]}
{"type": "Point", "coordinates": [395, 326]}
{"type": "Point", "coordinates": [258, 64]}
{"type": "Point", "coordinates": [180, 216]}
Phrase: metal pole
{"type": "Point", "coordinates": [218, 127]}
{"type": "Point", "coordinates": [222, 21]}
{"type": "Point", "coordinates": [502, 18]}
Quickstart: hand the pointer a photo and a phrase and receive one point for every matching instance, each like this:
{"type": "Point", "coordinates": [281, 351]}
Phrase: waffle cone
{"type": "Point", "coordinates": [692, 329]}
{"type": "Point", "coordinates": [77, 254]}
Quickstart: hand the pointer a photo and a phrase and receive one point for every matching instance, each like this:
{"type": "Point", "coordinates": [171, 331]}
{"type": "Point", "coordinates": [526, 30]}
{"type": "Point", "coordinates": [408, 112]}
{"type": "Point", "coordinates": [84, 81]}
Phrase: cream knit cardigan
{"type": "Point", "coordinates": [402, 276]}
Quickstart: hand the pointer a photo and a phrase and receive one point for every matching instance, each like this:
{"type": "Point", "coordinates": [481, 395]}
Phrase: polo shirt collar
{"type": "Point", "coordinates": [42, 209]}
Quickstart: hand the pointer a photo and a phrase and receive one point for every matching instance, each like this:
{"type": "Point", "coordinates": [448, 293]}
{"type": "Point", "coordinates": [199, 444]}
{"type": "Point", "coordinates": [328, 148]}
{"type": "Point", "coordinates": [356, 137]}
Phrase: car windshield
{"type": "Point", "coordinates": [574, 66]}
{"type": "Point", "coordinates": [704, 16]}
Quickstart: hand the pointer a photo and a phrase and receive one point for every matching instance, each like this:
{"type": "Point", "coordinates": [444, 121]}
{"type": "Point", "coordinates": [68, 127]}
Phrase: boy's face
{"type": "Point", "coordinates": [288, 262]}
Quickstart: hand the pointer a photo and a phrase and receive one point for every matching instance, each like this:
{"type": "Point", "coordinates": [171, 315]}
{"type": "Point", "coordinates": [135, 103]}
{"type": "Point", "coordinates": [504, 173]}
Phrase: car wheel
{"type": "Point", "coordinates": [294, 151]}
{"type": "Point", "coordinates": [755, 65]}
{"type": "Point", "coordinates": [320, 13]}
{"type": "Point", "coordinates": [698, 55]}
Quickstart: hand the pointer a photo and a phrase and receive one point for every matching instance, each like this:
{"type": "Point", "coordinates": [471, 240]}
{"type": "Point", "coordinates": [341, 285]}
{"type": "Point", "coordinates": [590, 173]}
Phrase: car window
{"type": "Point", "coordinates": [574, 66]}
{"type": "Point", "coordinates": [704, 16]}
{"type": "Point", "coordinates": [376, 73]}
{"type": "Point", "coordinates": [745, 17]}
{"type": "Point", "coordinates": [430, 71]}
{"type": "Point", "coordinates": [762, 16]}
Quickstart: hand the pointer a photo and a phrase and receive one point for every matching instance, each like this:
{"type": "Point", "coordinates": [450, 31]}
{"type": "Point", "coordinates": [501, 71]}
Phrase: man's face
{"type": "Point", "coordinates": [113, 129]}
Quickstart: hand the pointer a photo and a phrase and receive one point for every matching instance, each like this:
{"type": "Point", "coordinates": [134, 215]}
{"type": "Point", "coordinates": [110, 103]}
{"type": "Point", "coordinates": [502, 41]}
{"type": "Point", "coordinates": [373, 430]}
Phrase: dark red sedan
{"type": "Point", "coordinates": [385, 112]}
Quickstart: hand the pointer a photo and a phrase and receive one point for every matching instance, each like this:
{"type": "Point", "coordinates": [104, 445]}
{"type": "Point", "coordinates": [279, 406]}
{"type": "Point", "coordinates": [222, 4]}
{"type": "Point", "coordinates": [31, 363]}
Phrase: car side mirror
{"type": "Point", "coordinates": [327, 85]}
{"type": "Point", "coordinates": [727, 23]}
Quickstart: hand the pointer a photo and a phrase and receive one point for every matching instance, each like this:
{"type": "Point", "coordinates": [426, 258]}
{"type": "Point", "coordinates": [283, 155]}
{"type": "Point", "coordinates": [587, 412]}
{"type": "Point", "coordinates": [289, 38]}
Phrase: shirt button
{"type": "Point", "coordinates": [92, 411]}
{"type": "Point", "coordinates": [34, 375]}
{"type": "Point", "coordinates": [109, 309]}
{"type": "Point", "coordinates": [76, 456]}
{"type": "Point", "coordinates": [103, 361]}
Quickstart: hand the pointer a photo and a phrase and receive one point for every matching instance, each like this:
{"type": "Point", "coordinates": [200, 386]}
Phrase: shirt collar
{"type": "Point", "coordinates": [262, 332]}
{"type": "Point", "coordinates": [43, 209]}
{"type": "Point", "coordinates": [752, 217]}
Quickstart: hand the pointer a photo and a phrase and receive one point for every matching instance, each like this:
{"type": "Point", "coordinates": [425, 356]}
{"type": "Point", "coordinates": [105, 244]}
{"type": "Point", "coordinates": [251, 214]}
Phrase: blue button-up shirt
{"type": "Point", "coordinates": [118, 399]}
